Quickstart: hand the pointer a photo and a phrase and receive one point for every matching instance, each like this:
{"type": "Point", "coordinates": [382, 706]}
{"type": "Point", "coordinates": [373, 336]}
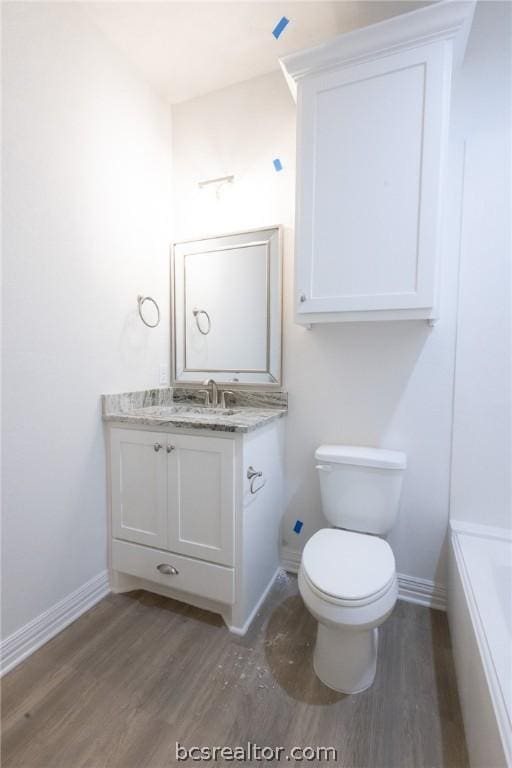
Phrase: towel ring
{"type": "Point", "coordinates": [196, 313]}
{"type": "Point", "coordinates": [140, 302]}
{"type": "Point", "coordinates": [252, 476]}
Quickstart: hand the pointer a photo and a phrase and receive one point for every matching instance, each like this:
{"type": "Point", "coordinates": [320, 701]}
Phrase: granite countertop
{"type": "Point", "coordinates": [182, 407]}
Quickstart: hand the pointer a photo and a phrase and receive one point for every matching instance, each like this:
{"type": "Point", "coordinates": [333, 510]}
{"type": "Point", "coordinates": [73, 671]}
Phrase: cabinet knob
{"type": "Point", "coordinates": [157, 447]}
{"type": "Point", "coordinates": [170, 448]}
{"type": "Point", "coordinates": [168, 570]}
{"type": "Point", "coordinates": [302, 297]}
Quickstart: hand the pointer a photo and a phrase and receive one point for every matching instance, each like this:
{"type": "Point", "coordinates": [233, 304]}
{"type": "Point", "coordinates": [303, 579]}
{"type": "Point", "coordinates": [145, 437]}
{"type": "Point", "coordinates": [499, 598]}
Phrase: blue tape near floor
{"type": "Point", "coordinates": [280, 26]}
{"type": "Point", "coordinates": [278, 164]}
{"type": "Point", "coordinates": [298, 526]}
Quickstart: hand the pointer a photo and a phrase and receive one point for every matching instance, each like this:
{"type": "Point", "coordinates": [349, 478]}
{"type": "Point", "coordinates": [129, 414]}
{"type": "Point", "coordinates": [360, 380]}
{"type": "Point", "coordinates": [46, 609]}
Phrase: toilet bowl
{"type": "Point", "coordinates": [348, 583]}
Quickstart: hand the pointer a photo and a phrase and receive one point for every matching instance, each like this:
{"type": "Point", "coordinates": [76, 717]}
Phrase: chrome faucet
{"type": "Point", "coordinates": [214, 399]}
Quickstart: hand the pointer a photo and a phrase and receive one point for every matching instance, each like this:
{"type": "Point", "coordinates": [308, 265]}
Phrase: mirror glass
{"type": "Point", "coordinates": [227, 308]}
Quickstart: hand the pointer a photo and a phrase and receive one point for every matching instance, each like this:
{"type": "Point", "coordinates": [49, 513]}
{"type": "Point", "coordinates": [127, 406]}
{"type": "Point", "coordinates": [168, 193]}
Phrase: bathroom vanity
{"type": "Point", "coordinates": [195, 474]}
{"type": "Point", "coordinates": [196, 498]}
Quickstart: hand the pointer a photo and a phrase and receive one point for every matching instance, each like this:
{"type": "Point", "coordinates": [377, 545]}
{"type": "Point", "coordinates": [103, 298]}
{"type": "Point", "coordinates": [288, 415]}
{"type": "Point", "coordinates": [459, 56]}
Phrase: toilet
{"type": "Point", "coordinates": [347, 576]}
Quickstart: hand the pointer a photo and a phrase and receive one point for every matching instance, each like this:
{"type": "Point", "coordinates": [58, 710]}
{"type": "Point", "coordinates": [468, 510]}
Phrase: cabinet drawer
{"type": "Point", "coordinates": [209, 580]}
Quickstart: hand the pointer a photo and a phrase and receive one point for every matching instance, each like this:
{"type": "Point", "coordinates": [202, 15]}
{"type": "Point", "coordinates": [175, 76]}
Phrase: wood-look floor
{"type": "Point", "coordinates": [139, 672]}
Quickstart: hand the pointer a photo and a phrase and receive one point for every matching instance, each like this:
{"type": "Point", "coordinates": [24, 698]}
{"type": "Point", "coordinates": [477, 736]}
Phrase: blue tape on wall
{"type": "Point", "coordinates": [278, 164]}
{"type": "Point", "coordinates": [298, 526]}
{"type": "Point", "coordinates": [280, 26]}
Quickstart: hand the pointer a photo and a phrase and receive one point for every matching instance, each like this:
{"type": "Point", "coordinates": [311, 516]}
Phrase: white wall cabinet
{"type": "Point", "coordinates": [184, 521]}
{"type": "Point", "coordinates": [372, 126]}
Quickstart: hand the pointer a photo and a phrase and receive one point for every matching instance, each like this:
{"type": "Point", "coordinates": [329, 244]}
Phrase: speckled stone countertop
{"type": "Point", "coordinates": [182, 407]}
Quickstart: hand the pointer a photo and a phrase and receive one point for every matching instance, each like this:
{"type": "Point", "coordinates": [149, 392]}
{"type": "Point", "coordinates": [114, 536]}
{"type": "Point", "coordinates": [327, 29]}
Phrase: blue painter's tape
{"type": "Point", "coordinates": [298, 526]}
{"type": "Point", "coordinates": [280, 26]}
{"type": "Point", "coordinates": [278, 164]}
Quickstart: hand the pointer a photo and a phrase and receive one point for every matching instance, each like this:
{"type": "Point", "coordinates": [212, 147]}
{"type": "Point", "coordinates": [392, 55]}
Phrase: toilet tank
{"type": "Point", "coordinates": [360, 487]}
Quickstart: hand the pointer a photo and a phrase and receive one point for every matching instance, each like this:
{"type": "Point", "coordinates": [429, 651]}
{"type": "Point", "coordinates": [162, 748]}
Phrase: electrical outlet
{"type": "Point", "coordinates": [164, 374]}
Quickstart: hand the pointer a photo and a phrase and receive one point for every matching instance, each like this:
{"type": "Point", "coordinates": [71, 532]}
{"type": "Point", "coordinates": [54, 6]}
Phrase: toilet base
{"type": "Point", "coordinates": [345, 660]}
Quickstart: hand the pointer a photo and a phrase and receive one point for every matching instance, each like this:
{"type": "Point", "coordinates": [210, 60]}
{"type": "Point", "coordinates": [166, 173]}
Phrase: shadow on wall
{"type": "Point", "coordinates": [346, 383]}
{"type": "Point", "coordinates": [135, 340]}
{"type": "Point", "coordinates": [134, 336]}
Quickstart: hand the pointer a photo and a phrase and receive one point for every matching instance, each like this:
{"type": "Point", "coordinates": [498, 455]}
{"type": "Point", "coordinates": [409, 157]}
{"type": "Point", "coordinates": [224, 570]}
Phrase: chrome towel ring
{"type": "Point", "coordinates": [140, 301]}
{"type": "Point", "coordinates": [196, 313]}
{"type": "Point", "coordinates": [252, 476]}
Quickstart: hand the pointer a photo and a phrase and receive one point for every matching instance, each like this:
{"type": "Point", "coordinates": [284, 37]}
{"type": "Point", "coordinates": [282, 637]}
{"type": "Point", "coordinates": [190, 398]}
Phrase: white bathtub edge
{"type": "Point", "coordinates": [479, 707]}
{"type": "Point", "coordinates": [485, 531]}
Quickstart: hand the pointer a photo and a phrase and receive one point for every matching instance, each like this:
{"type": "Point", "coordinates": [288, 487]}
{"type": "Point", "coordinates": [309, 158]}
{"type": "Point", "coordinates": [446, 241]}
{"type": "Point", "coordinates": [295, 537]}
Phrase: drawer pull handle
{"type": "Point", "coordinates": [252, 476]}
{"type": "Point", "coordinates": [170, 448]}
{"type": "Point", "coordinates": [168, 570]}
{"type": "Point", "coordinates": [157, 447]}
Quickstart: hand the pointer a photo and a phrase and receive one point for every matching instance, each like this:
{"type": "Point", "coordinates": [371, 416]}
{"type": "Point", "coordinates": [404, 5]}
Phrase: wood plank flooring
{"type": "Point", "coordinates": [138, 673]}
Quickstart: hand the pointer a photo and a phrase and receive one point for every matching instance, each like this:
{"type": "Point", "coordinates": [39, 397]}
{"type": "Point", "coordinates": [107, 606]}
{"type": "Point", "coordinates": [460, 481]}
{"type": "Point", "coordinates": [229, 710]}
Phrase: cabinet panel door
{"type": "Point", "coordinates": [200, 482]}
{"type": "Point", "coordinates": [138, 477]}
{"type": "Point", "coordinates": [370, 158]}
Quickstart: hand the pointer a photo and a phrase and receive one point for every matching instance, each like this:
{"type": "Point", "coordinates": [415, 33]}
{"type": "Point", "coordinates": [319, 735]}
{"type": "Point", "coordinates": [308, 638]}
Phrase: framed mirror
{"type": "Point", "coordinates": [226, 308]}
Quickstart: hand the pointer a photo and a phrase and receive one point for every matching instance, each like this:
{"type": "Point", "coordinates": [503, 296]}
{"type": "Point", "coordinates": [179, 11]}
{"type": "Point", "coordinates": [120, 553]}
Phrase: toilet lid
{"type": "Point", "coordinates": [346, 565]}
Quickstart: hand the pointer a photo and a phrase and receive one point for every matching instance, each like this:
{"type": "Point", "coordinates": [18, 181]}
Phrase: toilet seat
{"type": "Point", "coordinates": [348, 569]}
{"type": "Point", "coordinates": [348, 614]}
{"type": "Point", "coordinates": [347, 603]}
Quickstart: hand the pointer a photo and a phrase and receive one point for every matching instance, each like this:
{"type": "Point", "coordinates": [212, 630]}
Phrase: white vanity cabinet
{"type": "Point", "coordinates": [175, 492]}
{"type": "Point", "coordinates": [372, 126]}
{"type": "Point", "coordinates": [138, 487]}
{"type": "Point", "coordinates": [184, 521]}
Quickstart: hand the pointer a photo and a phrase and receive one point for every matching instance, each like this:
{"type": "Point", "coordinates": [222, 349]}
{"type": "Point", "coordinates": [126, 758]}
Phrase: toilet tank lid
{"type": "Point", "coordinates": [360, 456]}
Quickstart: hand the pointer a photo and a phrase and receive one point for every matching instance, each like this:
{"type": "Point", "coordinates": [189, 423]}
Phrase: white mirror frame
{"type": "Point", "coordinates": [271, 377]}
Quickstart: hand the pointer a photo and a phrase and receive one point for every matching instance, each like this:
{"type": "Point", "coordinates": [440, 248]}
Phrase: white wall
{"type": "Point", "coordinates": [86, 227]}
{"type": "Point", "coordinates": [386, 384]}
{"type": "Point", "coordinates": [482, 460]}
{"type": "Point", "coordinates": [86, 190]}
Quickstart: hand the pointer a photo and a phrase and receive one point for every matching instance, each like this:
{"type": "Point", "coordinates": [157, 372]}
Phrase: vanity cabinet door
{"type": "Point", "coordinates": [200, 497]}
{"type": "Point", "coordinates": [138, 493]}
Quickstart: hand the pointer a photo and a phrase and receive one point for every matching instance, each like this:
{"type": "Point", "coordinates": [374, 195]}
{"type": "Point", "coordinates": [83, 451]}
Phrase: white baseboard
{"type": "Point", "coordinates": [22, 643]}
{"type": "Point", "coordinates": [410, 588]}
{"type": "Point", "coordinates": [241, 631]}
{"type": "Point", "coordinates": [290, 559]}
{"type": "Point", "coordinates": [37, 632]}
{"type": "Point", "coordinates": [421, 591]}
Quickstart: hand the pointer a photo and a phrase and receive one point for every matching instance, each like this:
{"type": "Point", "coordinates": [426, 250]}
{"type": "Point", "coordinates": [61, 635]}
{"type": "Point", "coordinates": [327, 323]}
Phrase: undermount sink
{"type": "Point", "coordinates": [205, 410]}
{"type": "Point", "coordinates": [189, 411]}
{"type": "Point", "coordinates": [222, 411]}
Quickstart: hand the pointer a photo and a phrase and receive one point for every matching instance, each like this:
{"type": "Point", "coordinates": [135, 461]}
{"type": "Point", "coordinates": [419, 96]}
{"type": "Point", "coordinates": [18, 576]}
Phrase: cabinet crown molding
{"type": "Point", "coordinates": [447, 20]}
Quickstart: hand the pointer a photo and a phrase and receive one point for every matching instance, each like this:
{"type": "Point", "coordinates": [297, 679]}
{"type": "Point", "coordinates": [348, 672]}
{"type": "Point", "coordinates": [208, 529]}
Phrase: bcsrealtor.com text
{"type": "Point", "coordinates": [251, 751]}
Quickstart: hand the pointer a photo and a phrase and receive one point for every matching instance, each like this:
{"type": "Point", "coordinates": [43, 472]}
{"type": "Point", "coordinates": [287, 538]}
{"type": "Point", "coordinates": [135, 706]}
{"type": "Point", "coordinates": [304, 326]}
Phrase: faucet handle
{"type": "Point", "coordinates": [206, 395]}
{"type": "Point", "coordinates": [223, 397]}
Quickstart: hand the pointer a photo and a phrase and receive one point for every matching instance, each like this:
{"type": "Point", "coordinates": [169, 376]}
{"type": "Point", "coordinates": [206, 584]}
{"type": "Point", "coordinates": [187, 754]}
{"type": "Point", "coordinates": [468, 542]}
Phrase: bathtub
{"type": "Point", "coordinates": [480, 616]}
